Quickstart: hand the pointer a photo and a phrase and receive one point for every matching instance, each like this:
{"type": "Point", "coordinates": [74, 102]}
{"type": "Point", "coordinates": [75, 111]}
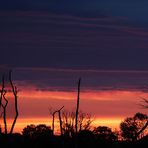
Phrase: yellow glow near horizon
{"type": "Point", "coordinates": [33, 103]}
{"type": "Point", "coordinates": [21, 123]}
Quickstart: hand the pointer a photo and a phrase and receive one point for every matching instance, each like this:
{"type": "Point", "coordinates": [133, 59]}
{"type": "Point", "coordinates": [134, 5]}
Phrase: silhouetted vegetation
{"type": "Point", "coordinates": [77, 107]}
{"type": "Point", "coordinates": [4, 102]}
{"type": "Point", "coordinates": [40, 136]}
{"type": "Point", "coordinates": [32, 132]}
{"type": "Point", "coordinates": [75, 129]}
{"type": "Point", "coordinates": [104, 133]}
{"type": "Point", "coordinates": [132, 128]}
{"type": "Point", "coordinates": [84, 122]}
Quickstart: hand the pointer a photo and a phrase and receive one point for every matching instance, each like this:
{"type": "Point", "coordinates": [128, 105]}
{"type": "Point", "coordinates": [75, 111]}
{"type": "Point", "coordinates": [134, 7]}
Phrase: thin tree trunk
{"type": "Point", "coordinates": [5, 111]}
{"type": "Point", "coordinates": [4, 106]}
{"type": "Point", "coordinates": [2, 90]}
{"type": "Point", "coordinates": [77, 108]}
{"type": "Point", "coordinates": [53, 116]}
{"type": "Point", "coordinates": [60, 120]}
{"type": "Point", "coordinates": [14, 90]}
{"type": "Point", "coordinates": [53, 123]}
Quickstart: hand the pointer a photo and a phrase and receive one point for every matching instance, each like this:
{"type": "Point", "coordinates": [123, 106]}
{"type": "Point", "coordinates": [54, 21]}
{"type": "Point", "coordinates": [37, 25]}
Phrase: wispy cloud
{"type": "Point", "coordinates": [103, 93]}
{"type": "Point", "coordinates": [45, 79]}
{"type": "Point", "coordinates": [56, 40]}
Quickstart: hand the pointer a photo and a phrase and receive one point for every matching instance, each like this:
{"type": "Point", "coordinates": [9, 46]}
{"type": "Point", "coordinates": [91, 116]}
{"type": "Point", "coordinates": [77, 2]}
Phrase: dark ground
{"type": "Point", "coordinates": [19, 141]}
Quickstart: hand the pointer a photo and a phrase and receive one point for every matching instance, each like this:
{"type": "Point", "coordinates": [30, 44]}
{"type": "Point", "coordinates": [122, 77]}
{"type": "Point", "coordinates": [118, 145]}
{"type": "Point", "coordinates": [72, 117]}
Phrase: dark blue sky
{"type": "Point", "coordinates": [49, 44]}
{"type": "Point", "coordinates": [98, 34]}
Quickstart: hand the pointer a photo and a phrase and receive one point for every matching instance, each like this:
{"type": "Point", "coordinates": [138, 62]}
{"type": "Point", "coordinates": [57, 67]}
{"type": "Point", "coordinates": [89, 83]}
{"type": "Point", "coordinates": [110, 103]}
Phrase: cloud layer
{"type": "Point", "coordinates": [48, 39]}
{"type": "Point", "coordinates": [45, 79]}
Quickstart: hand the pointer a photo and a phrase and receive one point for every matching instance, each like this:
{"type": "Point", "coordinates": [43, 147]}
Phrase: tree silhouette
{"type": "Point", "coordinates": [68, 123]}
{"type": "Point", "coordinates": [72, 122]}
{"type": "Point", "coordinates": [4, 102]}
{"type": "Point", "coordinates": [42, 130]}
{"type": "Point", "coordinates": [29, 131]}
{"type": "Point", "coordinates": [38, 131]}
{"type": "Point", "coordinates": [84, 122]}
{"type": "Point", "coordinates": [60, 118]}
{"type": "Point", "coordinates": [145, 125]}
{"type": "Point", "coordinates": [14, 90]}
{"type": "Point", "coordinates": [132, 127]}
{"type": "Point", "coordinates": [77, 107]}
{"type": "Point", "coordinates": [105, 133]}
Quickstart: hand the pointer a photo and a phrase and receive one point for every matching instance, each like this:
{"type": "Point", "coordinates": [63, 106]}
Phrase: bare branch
{"type": "Point", "coordinates": [144, 102]}
{"type": "Point", "coordinates": [5, 111]}
{"type": "Point", "coordinates": [14, 90]}
{"type": "Point", "coordinates": [142, 129]}
{"type": "Point", "coordinates": [2, 90]}
{"type": "Point", "coordinates": [4, 106]}
{"type": "Point", "coordinates": [60, 119]}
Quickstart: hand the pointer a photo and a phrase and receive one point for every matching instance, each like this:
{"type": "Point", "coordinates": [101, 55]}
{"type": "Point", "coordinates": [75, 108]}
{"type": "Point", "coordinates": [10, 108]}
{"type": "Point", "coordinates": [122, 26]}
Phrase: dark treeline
{"type": "Point", "coordinates": [132, 133]}
{"type": "Point", "coordinates": [75, 128]}
{"type": "Point", "coordinates": [41, 136]}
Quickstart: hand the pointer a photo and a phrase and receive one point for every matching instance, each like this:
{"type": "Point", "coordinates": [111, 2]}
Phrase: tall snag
{"type": "Point", "coordinates": [4, 103]}
{"type": "Point", "coordinates": [53, 116]}
{"type": "Point", "coordinates": [77, 107]}
{"type": "Point", "coordinates": [14, 91]}
{"type": "Point", "coordinates": [60, 119]}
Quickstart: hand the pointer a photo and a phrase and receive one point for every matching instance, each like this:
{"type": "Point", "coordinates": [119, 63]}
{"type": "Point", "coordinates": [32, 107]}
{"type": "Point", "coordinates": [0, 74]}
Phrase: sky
{"type": "Point", "coordinates": [49, 44]}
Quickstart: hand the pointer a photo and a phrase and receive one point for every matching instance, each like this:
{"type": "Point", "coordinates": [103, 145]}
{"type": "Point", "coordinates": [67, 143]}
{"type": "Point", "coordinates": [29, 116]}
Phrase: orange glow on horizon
{"type": "Point", "coordinates": [34, 105]}
{"type": "Point", "coordinates": [21, 123]}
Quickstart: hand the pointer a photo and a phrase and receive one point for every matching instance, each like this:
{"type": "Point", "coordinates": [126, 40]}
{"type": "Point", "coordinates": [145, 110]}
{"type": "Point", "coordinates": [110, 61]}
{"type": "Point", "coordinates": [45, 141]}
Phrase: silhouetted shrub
{"type": "Point", "coordinates": [37, 132]}
{"type": "Point", "coordinates": [131, 126]}
{"type": "Point", "coordinates": [105, 133]}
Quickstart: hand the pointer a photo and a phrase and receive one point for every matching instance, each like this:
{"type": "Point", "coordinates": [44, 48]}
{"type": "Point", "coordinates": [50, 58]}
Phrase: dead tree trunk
{"type": "Point", "coordinates": [4, 113]}
{"type": "Point", "coordinates": [14, 91]}
{"type": "Point", "coordinates": [60, 120]}
{"type": "Point", "coordinates": [77, 108]}
{"type": "Point", "coordinates": [53, 116]}
{"type": "Point", "coordinates": [4, 106]}
{"type": "Point", "coordinates": [1, 97]}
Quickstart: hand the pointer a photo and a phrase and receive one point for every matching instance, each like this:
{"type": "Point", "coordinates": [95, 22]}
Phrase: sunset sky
{"type": "Point", "coordinates": [49, 44]}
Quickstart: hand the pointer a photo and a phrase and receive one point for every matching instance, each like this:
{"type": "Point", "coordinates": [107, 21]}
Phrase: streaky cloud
{"type": "Point", "coordinates": [47, 79]}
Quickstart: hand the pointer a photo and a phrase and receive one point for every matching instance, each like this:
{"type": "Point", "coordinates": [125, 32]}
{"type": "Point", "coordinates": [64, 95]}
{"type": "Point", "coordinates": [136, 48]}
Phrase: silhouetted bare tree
{"type": "Point", "coordinates": [84, 122]}
{"type": "Point", "coordinates": [14, 90]}
{"type": "Point", "coordinates": [68, 123]}
{"type": "Point", "coordinates": [77, 107]}
{"type": "Point", "coordinates": [4, 102]}
{"type": "Point", "coordinates": [60, 119]}
{"type": "Point", "coordinates": [53, 119]}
